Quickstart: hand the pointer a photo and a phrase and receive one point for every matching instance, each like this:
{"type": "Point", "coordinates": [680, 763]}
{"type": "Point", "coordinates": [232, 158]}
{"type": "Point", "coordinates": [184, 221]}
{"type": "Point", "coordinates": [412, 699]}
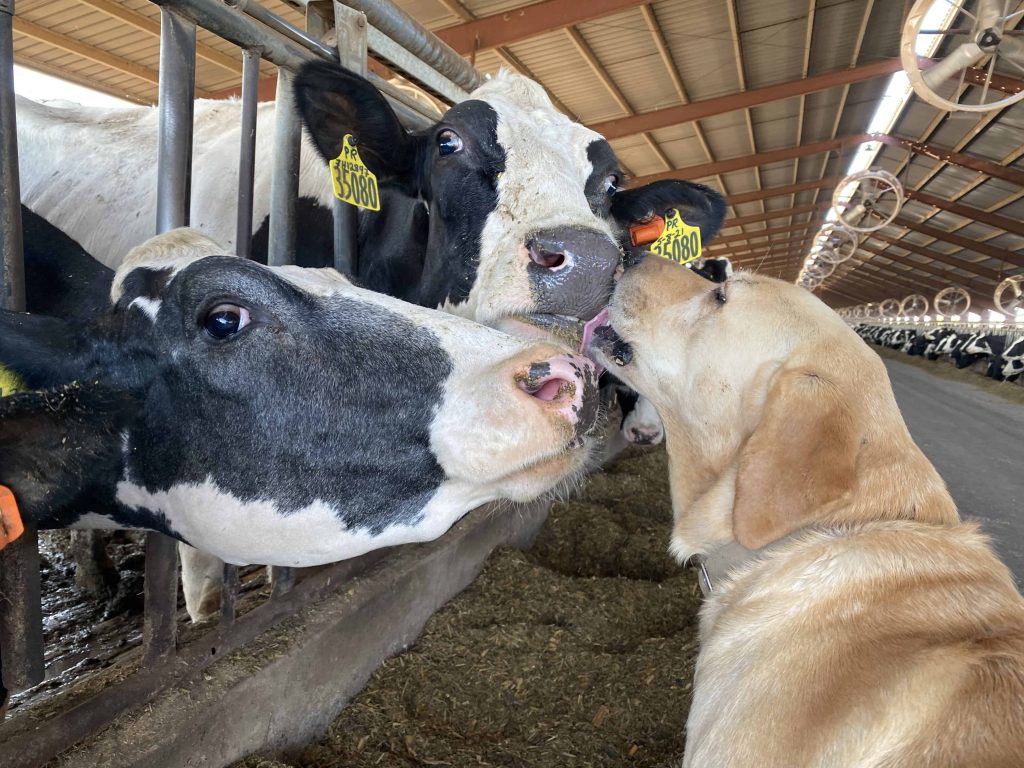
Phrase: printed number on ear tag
{"type": "Point", "coordinates": [353, 182]}
{"type": "Point", "coordinates": [680, 242]}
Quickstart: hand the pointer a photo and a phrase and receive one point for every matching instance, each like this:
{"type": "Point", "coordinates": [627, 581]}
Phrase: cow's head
{"type": "Point", "coordinates": [526, 209]}
{"type": "Point", "coordinates": [280, 415]}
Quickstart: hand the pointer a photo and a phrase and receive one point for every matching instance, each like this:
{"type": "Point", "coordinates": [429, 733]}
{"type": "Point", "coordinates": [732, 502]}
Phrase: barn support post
{"type": "Point", "coordinates": [21, 618]}
{"type": "Point", "coordinates": [351, 32]}
{"type": "Point", "coordinates": [174, 163]}
{"type": "Point", "coordinates": [247, 151]}
{"type": "Point", "coordinates": [284, 183]}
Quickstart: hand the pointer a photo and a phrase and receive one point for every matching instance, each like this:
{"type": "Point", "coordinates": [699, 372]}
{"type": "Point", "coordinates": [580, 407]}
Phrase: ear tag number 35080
{"type": "Point", "coordinates": [679, 242]}
{"type": "Point", "coordinates": [353, 182]}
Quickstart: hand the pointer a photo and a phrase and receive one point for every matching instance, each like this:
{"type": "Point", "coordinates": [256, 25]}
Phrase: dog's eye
{"type": "Point", "coordinates": [720, 296]}
{"type": "Point", "coordinates": [225, 320]}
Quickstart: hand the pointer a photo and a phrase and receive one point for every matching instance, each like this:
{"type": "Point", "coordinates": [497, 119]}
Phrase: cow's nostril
{"type": "Point", "coordinates": [545, 258]}
{"type": "Point", "coordinates": [549, 390]}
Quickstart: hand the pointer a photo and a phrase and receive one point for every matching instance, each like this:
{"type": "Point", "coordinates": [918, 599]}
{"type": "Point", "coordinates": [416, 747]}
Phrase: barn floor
{"type": "Point", "coordinates": [972, 428]}
{"type": "Point", "coordinates": [576, 653]}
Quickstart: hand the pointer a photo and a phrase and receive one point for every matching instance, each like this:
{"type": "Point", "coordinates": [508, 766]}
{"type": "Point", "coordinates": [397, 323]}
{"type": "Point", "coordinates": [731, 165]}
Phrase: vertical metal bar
{"type": "Point", "coordinates": [12, 274]}
{"type": "Point", "coordinates": [282, 580]}
{"type": "Point", "coordinates": [174, 172]}
{"type": "Point", "coordinates": [177, 94]}
{"type": "Point", "coordinates": [284, 184]}
{"type": "Point", "coordinates": [229, 595]}
{"type": "Point", "coordinates": [247, 151]}
{"type": "Point", "coordinates": [351, 33]}
{"type": "Point", "coordinates": [21, 614]}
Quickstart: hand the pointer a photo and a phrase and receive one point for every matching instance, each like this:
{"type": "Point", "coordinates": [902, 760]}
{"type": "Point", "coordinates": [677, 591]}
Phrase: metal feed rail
{"type": "Point", "coordinates": [408, 49]}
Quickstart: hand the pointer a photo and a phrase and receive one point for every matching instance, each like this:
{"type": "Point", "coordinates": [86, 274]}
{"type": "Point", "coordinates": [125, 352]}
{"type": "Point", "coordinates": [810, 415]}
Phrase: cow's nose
{"type": "Point", "coordinates": [565, 385]}
{"type": "Point", "coordinates": [572, 270]}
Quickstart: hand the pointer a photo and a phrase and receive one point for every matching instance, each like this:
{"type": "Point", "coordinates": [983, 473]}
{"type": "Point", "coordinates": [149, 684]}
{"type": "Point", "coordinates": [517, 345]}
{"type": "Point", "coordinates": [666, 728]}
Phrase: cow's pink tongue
{"type": "Point", "coordinates": [601, 318]}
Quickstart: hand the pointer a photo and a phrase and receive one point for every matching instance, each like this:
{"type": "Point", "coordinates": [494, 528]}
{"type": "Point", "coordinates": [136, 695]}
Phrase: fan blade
{"type": "Point", "coordinates": [1013, 49]}
{"type": "Point", "coordinates": [965, 56]}
{"type": "Point", "coordinates": [989, 12]}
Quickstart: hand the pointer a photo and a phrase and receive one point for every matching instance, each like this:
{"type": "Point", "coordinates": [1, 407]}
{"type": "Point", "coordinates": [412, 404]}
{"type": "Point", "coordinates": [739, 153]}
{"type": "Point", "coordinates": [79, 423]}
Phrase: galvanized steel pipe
{"type": "Point", "coordinates": [12, 269]}
{"type": "Point", "coordinates": [418, 40]}
{"type": "Point", "coordinates": [247, 152]}
{"type": "Point", "coordinates": [284, 182]}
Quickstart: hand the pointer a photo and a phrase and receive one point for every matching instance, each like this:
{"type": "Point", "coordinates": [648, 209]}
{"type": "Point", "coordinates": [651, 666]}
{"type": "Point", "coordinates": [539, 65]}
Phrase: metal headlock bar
{"type": "Point", "coordinates": [376, 27]}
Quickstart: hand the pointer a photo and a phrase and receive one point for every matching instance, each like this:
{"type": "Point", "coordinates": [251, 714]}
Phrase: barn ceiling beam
{"type": "Point", "coordinates": [1004, 223]}
{"type": "Point", "coordinates": [986, 167]}
{"type": "Point", "coordinates": [742, 248]}
{"type": "Point", "coordinates": [70, 45]}
{"type": "Point", "coordinates": [966, 243]}
{"type": "Point", "coordinates": [788, 189]}
{"type": "Point", "coordinates": [979, 299]}
{"type": "Point", "coordinates": [759, 260]}
{"type": "Point", "coordinates": [837, 299]}
{"type": "Point", "coordinates": [149, 26]}
{"type": "Point", "coordinates": [935, 256]}
{"type": "Point", "coordinates": [699, 110]}
{"type": "Point", "coordinates": [789, 228]}
{"type": "Point", "coordinates": [909, 280]}
{"type": "Point", "coordinates": [976, 164]}
{"type": "Point", "coordinates": [782, 213]}
{"type": "Point", "coordinates": [518, 24]}
{"type": "Point", "coordinates": [982, 284]}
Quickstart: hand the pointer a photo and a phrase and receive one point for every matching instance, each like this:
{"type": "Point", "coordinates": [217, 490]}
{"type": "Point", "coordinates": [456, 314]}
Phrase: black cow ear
{"type": "Point", "coordinates": [333, 102]}
{"type": "Point", "coordinates": [41, 351]}
{"type": "Point", "coordinates": [698, 205]}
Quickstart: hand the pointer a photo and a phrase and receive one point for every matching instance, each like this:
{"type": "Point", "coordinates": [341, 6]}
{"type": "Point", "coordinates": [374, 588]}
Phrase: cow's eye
{"type": "Point", "coordinates": [611, 184]}
{"type": "Point", "coordinates": [448, 142]}
{"type": "Point", "coordinates": [226, 320]}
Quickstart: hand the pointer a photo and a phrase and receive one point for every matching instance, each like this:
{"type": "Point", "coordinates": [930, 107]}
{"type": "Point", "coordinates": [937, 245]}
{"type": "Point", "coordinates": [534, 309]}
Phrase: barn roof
{"type": "Point", "coordinates": [765, 100]}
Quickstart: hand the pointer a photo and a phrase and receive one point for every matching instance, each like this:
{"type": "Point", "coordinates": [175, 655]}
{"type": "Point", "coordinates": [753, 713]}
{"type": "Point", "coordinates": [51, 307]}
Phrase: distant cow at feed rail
{"type": "Point", "coordinates": [505, 211]}
{"type": "Point", "coordinates": [279, 415]}
{"type": "Point", "coordinates": [1013, 361]}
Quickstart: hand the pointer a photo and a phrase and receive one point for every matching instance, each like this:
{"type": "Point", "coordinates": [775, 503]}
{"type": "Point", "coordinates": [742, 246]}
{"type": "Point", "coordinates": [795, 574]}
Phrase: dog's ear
{"type": "Point", "coordinates": [801, 458]}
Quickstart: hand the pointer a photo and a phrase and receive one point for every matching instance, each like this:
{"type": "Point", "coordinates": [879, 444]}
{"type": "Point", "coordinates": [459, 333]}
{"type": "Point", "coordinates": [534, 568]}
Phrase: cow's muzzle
{"type": "Point", "coordinates": [571, 270]}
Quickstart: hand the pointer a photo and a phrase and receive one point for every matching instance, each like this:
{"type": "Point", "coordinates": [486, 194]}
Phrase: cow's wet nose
{"type": "Point", "coordinates": [572, 270]}
{"type": "Point", "coordinates": [566, 386]}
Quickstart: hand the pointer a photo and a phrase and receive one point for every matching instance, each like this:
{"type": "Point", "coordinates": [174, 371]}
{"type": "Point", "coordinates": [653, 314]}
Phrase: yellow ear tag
{"type": "Point", "coordinates": [9, 383]}
{"type": "Point", "coordinates": [679, 242]}
{"type": "Point", "coordinates": [353, 182]}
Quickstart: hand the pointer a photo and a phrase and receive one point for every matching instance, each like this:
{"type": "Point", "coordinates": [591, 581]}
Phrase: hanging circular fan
{"type": "Point", "coordinates": [987, 32]}
{"type": "Point", "coordinates": [915, 304]}
{"type": "Point", "coordinates": [1009, 296]}
{"type": "Point", "coordinates": [952, 301]}
{"type": "Point", "coordinates": [872, 311]}
{"type": "Point", "coordinates": [868, 200]}
{"type": "Point", "coordinates": [859, 312]}
{"type": "Point", "coordinates": [820, 270]}
{"type": "Point", "coordinates": [839, 240]}
{"type": "Point", "coordinates": [889, 308]}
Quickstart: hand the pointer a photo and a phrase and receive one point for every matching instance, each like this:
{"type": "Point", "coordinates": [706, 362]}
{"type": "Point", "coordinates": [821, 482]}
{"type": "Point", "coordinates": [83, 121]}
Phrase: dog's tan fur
{"type": "Point", "coordinates": [883, 631]}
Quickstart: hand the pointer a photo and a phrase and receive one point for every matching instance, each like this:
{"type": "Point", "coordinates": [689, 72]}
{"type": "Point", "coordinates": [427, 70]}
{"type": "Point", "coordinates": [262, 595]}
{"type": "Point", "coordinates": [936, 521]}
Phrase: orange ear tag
{"type": "Point", "coordinates": [11, 526]}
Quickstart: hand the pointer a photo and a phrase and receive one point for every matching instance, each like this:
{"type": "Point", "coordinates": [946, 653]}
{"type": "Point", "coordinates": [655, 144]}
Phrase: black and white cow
{"type": "Point", "coordinates": [505, 211]}
{"type": "Point", "coordinates": [1013, 361]}
{"type": "Point", "coordinates": [279, 415]}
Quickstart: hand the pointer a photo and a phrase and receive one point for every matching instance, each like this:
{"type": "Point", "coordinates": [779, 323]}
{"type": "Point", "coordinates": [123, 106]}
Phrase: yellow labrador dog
{"type": "Point", "coordinates": [851, 619]}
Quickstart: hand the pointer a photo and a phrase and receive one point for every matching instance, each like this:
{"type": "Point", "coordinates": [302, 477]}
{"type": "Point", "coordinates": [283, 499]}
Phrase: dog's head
{"type": "Point", "coordinates": [777, 414]}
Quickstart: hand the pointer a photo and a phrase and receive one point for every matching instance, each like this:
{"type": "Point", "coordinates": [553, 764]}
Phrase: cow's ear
{"type": "Point", "coordinates": [40, 351]}
{"type": "Point", "coordinates": [698, 205]}
{"type": "Point", "coordinates": [56, 444]}
{"type": "Point", "coordinates": [333, 102]}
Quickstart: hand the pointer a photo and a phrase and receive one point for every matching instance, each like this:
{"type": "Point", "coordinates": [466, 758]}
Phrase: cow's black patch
{"type": "Point", "coordinates": [239, 411]}
{"type": "Point", "coordinates": [322, 398]}
{"type": "Point", "coordinates": [61, 278]}
{"type": "Point", "coordinates": [314, 235]}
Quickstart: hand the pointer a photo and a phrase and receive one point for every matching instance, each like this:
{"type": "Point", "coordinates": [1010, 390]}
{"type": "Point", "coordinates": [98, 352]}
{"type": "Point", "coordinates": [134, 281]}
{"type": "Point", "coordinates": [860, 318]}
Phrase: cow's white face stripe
{"type": "Point", "coordinates": [149, 307]}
